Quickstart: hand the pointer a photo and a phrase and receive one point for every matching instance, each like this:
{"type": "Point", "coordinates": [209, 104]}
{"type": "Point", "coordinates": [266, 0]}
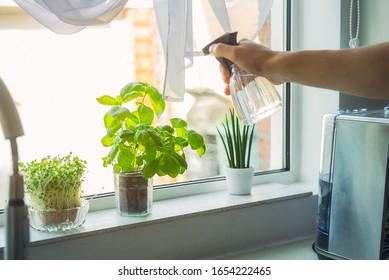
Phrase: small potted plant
{"type": "Point", "coordinates": [237, 141]}
{"type": "Point", "coordinates": [54, 189]}
{"type": "Point", "coordinates": [140, 150]}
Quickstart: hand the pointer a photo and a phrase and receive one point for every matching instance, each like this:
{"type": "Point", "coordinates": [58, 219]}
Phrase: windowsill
{"type": "Point", "coordinates": [295, 250]}
{"type": "Point", "coordinates": [203, 220]}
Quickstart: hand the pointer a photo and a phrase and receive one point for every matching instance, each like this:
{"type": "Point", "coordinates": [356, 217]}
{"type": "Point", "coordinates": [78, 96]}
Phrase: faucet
{"type": "Point", "coordinates": [17, 224]}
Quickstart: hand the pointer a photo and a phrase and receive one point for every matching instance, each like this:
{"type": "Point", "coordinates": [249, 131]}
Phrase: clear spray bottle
{"type": "Point", "coordinates": [254, 97]}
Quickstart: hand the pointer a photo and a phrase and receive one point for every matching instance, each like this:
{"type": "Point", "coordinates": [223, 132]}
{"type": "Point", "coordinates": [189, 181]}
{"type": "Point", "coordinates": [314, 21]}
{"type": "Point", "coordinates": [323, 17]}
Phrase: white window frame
{"type": "Point", "coordinates": [210, 185]}
{"type": "Point", "coordinates": [284, 176]}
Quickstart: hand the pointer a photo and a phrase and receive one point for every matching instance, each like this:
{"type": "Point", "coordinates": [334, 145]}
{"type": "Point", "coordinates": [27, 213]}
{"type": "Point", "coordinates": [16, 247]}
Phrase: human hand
{"type": "Point", "coordinates": [249, 56]}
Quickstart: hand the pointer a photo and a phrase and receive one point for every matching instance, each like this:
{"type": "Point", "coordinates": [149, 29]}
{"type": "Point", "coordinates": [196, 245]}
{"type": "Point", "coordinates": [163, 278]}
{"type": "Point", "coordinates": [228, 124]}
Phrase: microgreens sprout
{"type": "Point", "coordinates": [54, 182]}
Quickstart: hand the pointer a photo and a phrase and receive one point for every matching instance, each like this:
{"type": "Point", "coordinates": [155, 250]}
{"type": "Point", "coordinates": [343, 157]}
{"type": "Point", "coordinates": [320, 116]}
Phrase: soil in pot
{"type": "Point", "coordinates": [133, 194]}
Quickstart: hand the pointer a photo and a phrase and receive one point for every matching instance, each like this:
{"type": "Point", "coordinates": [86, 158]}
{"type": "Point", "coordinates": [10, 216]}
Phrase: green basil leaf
{"type": "Point", "coordinates": [132, 120]}
{"type": "Point", "coordinates": [181, 160]}
{"type": "Point", "coordinates": [134, 88]}
{"type": "Point", "coordinates": [157, 101]}
{"type": "Point", "coordinates": [112, 154]}
{"type": "Point", "coordinates": [107, 100]}
{"type": "Point", "coordinates": [125, 158]}
{"type": "Point", "coordinates": [107, 141]}
{"type": "Point", "coordinates": [151, 168]}
{"type": "Point", "coordinates": [195, 140]}
{"type": "Point", "coordinates": [119, 113]}
{"type": "Point", "coordinates": [127, 135]}
{"type": "Point", "coordinates": [131, 95]}
{"type": "Point", "coordinates": [108, 120]}
{"type": "Point", "coordinates": [146, 114]}
{"type": "Point", "coordinates": [178, 123]}
{"type": "Point", "coordinates": [169, 165]}
{"type": "Point", "coordinates": [113, 129]}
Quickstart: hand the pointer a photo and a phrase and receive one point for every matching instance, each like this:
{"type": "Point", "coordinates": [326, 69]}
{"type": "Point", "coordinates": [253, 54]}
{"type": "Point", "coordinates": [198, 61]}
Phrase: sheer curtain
{"type": "Point", "coordinates": [70, 16]}
{"type": "Point", "coordinates": [186, 26]}
{"type": "Point", "coordinates": [181, 26]}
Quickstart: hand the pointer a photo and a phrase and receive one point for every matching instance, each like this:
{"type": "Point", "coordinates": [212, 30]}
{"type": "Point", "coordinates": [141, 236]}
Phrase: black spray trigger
{"type": "Point", "coordinates": [228, 38]}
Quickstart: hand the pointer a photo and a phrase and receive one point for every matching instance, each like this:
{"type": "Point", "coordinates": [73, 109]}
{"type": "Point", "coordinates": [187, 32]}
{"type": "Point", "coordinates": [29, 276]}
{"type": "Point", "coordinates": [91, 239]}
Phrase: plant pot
{"type": "Point", "coordinates": [52, 220]}
{"type": "Point", "coordinates": [239, 180]}
{"type": "Point", "coordinates": [133, 194]}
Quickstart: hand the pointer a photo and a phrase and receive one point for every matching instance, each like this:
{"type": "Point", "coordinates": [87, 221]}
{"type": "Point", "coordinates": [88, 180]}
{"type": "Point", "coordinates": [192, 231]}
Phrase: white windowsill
{"type": "Point", "coordinates": [174, 221]}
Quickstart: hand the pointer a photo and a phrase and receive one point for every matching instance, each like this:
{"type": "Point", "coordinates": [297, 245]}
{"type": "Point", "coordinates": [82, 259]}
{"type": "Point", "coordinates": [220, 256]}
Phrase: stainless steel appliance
{"type": "Point", "coordinates": [352, 214]}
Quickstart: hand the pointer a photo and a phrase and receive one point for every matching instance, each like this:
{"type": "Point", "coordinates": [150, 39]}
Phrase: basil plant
{"type": "Point", "coordinates": [136, 145]}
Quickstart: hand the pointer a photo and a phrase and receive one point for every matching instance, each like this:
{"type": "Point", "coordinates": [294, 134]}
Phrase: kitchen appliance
{"type": "Point", "coordinates": [353, 197]}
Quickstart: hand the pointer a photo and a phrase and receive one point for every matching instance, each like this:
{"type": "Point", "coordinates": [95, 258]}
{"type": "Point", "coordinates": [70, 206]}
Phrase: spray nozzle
{"type": "Point", "coordinates": [227, 38]}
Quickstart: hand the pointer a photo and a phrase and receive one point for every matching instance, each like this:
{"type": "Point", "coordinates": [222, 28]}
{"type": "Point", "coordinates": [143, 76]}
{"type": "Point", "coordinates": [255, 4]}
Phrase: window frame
{"type": "Point", "coordinates": [284, 175]}
{"type": "Point", "coordinates": [175, 190]}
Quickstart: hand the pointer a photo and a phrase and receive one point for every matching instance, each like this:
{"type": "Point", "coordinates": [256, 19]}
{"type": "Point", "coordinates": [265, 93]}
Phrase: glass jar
{"type": "Point", "coordinates": [133, 194]}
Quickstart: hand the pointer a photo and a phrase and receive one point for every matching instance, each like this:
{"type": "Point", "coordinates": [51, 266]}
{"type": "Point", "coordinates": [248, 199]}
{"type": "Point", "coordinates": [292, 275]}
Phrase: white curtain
{"type": "Point", "coordinates": [70, 16]}
{"type": "Point", "coordinates": [186, 26]}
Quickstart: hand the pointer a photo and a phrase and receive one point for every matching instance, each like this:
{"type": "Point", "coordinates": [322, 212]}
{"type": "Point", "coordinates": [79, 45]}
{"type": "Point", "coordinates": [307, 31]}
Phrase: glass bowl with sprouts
{"type": "Point", "coordinates": [53, 187]}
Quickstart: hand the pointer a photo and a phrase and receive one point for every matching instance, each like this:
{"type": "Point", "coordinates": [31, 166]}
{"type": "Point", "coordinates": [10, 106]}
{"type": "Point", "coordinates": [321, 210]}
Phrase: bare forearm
{"type": "Point", "coordinates": [362, 71]}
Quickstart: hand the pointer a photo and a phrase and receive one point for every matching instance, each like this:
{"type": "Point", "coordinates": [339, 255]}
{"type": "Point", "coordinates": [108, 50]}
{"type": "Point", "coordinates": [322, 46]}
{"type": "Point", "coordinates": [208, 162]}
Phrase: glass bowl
{"type": "Point", "coordinates": [58, 220]}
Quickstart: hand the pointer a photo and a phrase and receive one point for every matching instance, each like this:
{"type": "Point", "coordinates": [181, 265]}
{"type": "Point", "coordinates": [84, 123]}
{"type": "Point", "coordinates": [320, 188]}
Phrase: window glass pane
{"type": "Point", "coordinates": [55, 80]}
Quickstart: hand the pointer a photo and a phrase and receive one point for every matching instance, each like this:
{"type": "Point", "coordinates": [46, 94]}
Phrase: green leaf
{"type": "Point", "coordinates": [178, 123]}
{"type": "Point", "coordinates": [201, 151]}
{"type": "Point", "coordinates": [105, 161]}
{"type": "Point", "coordinates": [168, 128]}
{"type": "Point", "coordinates": [139, 161]}
{"type": "Point", "coordinates": [180, 142]}
{"type": "Point", "coordinates": [142, 136]}
{"type": "Point", "coordinates": [195, 139]}
{"type": "Point", "coordinates": [113, 129]}
{"type": "Point", "coordinates": [155, 136]}
{"type": "Point", "coordinates": [107, 141]}
{"type": "Point", "coordinates": [131, 91]}
{"type": "Point", "coordinates": [237, 141]}
{"type": "Point", "coordinates": [170, 165]}
{"type": "Point", "coordinates": [131, 95]}
{"type": "Point", "coordinates": [125, 158]}
{"type": "Point", "coordinates": [181, 161]}
{"type": "Point", "coordinates": [116, 168]}
{"type": "Point", "coordinates": [127, 135]}
{"type": "Point", "coordinates": [119, 113]}
{"type": "Point", "coordinates": [181, 132]}
{"type": "Point", "coordinates": [151, 168]}
{"type": "Point", "coordinates": [156, 99]}
{"type": "Point", "coordinates": [107, 100]}
{"type": "Point", "coordinates": [146, 114]}
{"type": "Point", "coordinates": [150, 152]}
{"type": "Point", "coordinates": [112, 154]}
{"type": "Point", "coordinates": [132, 120]}
{"type": "Point", "coordinates": [108, 120]}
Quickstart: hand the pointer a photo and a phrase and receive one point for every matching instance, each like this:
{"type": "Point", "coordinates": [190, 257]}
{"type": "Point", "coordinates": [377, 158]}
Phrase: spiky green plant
{"type": "Point", "coordinates": [237, 141]}
{"type": "Point", "coordinates": [54, 182]}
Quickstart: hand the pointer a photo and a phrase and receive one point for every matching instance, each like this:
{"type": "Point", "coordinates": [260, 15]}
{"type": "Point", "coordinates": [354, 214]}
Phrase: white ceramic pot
{"type": "Point", "coordinates": [239, 180]}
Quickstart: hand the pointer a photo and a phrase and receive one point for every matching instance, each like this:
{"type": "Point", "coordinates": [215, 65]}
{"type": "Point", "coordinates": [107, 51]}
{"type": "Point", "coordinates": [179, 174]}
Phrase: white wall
{"type": "Point", "coordinates": [316, 26]}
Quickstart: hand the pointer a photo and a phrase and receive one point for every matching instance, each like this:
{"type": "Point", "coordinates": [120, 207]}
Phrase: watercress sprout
{"type": "Point", "coordinates": [54, 182]}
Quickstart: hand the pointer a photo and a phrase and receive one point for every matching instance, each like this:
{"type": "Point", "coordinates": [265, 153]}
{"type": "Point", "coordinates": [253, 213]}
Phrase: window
{"type": "Point", "coordinates": [55, 80]}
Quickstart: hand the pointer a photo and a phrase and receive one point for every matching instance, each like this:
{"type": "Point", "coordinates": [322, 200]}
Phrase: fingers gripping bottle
{"type": "Point", "coordinates": [254, 97]}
